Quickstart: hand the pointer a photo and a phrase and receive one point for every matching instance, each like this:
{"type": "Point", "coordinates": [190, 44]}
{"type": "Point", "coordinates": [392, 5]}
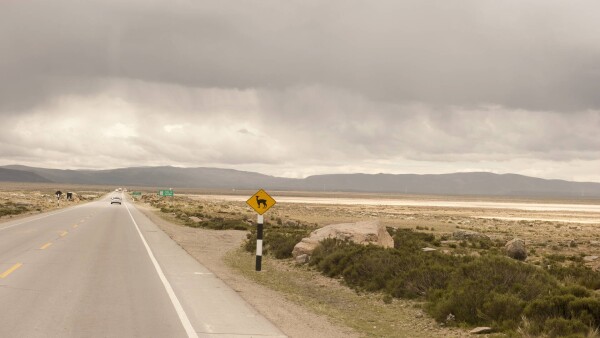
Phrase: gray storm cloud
{"type": "Point", "coordinates": [307, 86]}
{"type": "Point", "coordinates": [540, 55]}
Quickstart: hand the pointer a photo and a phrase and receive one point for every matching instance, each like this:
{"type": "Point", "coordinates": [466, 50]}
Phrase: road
{"type": "Point", "coordinates": [102, 270]}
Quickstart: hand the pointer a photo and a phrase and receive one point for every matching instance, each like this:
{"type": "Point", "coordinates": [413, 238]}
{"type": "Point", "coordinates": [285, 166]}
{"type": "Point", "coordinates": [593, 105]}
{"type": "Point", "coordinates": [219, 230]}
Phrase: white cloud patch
{"type": "Point", "coordinates": [297, 132]}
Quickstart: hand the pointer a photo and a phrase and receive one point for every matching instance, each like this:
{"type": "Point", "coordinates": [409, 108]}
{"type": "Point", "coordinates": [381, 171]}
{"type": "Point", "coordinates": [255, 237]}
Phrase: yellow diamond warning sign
{"type": "Point", "coordinates": [261, 202]}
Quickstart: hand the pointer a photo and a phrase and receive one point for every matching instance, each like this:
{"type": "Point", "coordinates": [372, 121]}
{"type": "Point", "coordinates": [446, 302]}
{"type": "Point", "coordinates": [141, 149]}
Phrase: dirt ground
{"type": "Point", "coordinates": [30, 198]}
{"type": "Point", "coordinates": [209, 247]}
{"type": "Point", "coordinates": [568, 228]}
{"type": "Point", "coordinates": [572, 230]}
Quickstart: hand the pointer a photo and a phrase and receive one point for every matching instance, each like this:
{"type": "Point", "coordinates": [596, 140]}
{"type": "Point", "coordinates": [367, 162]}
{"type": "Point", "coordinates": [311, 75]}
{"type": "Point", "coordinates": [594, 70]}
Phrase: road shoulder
{"type": "Point", "coordinates": [209, 247]}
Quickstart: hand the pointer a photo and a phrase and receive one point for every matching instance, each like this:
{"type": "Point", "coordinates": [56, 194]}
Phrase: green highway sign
{"type": "Point", "coordinates": [165, 193]}
{"type": "Point", "coordinates": [136, 193]}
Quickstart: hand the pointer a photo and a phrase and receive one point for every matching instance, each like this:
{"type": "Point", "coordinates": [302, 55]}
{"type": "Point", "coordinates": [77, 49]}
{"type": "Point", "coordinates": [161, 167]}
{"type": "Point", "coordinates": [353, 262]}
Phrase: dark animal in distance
{"type": "Point", "coordinates": [261, 201]}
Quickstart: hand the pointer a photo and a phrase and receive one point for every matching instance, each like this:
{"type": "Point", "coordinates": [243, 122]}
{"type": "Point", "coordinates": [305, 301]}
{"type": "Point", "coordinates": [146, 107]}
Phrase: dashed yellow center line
{"type": "Point", "coordinates": [11, 270]}
{"type": "Point", "coordinates": [45, 245]}
{"type": "Point", "coordinates": [75, 226]}
{"type": "Point", "coordinates": [64, 233]}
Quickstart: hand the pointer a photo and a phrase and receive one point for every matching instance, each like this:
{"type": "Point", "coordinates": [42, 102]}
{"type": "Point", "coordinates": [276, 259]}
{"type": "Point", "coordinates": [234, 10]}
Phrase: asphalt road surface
{"type": "Point", "coordinates": [102, 270]}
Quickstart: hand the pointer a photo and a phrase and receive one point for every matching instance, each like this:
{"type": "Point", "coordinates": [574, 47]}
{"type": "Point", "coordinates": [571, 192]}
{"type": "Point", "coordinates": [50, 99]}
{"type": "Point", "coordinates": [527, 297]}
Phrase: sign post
{"type": "Point", "coordinates": [260, 202]}
{"type": "Point", "coordinates": [58, 194]}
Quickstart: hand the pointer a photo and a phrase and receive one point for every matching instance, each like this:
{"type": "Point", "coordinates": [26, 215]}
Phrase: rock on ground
{"type": "Point", "coordinates": [481, 330]}
{"type": "Point", "coordinates": [515, 248]}
{"type": "Point", "coordinates": [367, 232]}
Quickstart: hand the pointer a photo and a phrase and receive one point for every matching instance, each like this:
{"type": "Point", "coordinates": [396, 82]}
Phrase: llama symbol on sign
{"type": "Point", "coordinates": [261, 201]}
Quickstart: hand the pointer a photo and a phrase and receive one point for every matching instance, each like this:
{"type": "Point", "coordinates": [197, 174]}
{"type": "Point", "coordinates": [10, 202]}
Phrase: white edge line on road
{"type": "Point", "coordinates": [176, 304]}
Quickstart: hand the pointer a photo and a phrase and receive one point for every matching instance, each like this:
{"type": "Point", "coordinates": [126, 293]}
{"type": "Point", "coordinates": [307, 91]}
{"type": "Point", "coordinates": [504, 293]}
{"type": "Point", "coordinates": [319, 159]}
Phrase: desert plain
{"type": "Point", "coordinates": [304, 303]}
{"type": "Point", "coordinates": [548, 226]}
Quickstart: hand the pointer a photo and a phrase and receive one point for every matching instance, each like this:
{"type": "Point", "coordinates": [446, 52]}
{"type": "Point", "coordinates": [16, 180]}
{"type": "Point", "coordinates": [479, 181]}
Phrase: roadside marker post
{"type": "Point", "coordinates": [260, 202]}
{"type": "Point", "coordinates": [259, 241]}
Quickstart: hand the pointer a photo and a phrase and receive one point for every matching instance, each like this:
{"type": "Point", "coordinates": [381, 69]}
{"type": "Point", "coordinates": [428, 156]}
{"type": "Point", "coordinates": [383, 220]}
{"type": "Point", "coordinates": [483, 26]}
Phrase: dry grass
{"type": "Point", "coordinates": [366, 313]}
{"type": "Point", "coordinates": [22, 199]}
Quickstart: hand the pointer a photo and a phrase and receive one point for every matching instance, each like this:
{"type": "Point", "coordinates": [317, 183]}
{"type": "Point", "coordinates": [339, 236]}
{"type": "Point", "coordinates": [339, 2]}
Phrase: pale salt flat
{"type": "Point", "coordinates": [543, 219]}
{"type": "Point", "coordinates": [593, 208]}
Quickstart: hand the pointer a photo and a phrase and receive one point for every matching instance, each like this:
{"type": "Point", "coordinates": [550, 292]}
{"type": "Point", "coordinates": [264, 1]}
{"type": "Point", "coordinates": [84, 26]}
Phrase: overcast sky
{"type": "Point", "coordinates": [295, 88]}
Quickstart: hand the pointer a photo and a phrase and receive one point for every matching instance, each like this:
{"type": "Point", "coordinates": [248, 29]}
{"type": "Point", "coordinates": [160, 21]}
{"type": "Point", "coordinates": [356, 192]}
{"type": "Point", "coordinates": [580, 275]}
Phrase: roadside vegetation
{"type": "Point", "coordinates": [463, 284]}
{"type": "Point", "coordinates": [10, 208]}
{"type": "Point", "coordinates": [279, 241]}
{"type": "Point", "coordinates": [186, 212]}
{"type": "Point", "coordinates": [466, 290]}
{"type": "Point", "coordinates": [27, 198]}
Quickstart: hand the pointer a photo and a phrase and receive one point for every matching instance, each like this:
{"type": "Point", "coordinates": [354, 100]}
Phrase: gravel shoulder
{"type": "Point", "coordinates": [210, 247]}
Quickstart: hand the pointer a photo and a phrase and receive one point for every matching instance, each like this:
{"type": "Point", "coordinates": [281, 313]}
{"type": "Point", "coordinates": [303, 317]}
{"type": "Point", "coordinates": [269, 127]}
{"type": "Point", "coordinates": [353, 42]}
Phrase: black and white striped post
{"type": "Point", "coordinates": [260, 202]}
{"type": "Point", "coordinates": [259, 241]}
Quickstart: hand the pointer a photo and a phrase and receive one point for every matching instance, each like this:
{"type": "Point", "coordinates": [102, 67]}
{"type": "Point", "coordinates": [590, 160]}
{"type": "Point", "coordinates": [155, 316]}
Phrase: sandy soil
{"type": "Point", "coordinates": [35, 199]}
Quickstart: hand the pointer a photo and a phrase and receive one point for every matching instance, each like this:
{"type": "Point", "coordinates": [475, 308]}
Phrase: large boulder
{"type": "Point", "coordinates": [368, 232]}
{"type": "Point", "coordinates": [515, 248]}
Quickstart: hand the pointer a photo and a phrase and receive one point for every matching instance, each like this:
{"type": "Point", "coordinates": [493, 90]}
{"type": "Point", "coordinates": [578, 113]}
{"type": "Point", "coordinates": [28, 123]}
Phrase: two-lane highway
{"type": "Point", "coordinates": [102, 270]}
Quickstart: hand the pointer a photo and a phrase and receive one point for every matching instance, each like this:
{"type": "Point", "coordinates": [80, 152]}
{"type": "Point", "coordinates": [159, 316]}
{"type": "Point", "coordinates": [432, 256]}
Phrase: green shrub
{"type": "Point", "coordinates": [279, 241]}
{"type": "Point", "coordinates": [333, 256]}
{"type": "Point", "coordinates": [576, 273]}
{"type": "Point", "coordinates": [250, 242]}
{"type": "Point", "coordinates": [561, 327]}
{"type": "Point", "coordinates": [281, 244]}
{"type": "Point", "coordinates": [587, 310]}
{"type": "Point", "coordinates": [576, 290]}
{"type": "Point", "coordinates": [10, 208]}
{"type": "Point", "coordinates": [490, 290]}
{"type": "Point", "coordinates": [481, 243]}
{"type": "Point", "coordinates": [503, 310]}
{"type": "Point", "coordinates": [473, 292]}
{"type": "Point", "coordinates": [426, 273]}
{"type": "Point", "coordinates": [402, 272]}
{"type": "Point", "coordinates": [553, 306]}
{"type": "Point", "coordinates": [220, 224]}
{"type": "Point", "coordinates": [572, 311]}
{"type": "Point", "coordinates": [410, 239]}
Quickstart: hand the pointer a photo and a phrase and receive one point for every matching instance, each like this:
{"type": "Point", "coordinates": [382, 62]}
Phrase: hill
{"type": "Point", "coordinates": [473, 183]}
{"type": "Point", "coordinates": [10, 175]}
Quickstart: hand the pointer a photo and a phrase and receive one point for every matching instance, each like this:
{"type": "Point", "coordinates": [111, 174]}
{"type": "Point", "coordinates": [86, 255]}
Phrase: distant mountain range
{"type": "Point", "coordinates": [473, 183]}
